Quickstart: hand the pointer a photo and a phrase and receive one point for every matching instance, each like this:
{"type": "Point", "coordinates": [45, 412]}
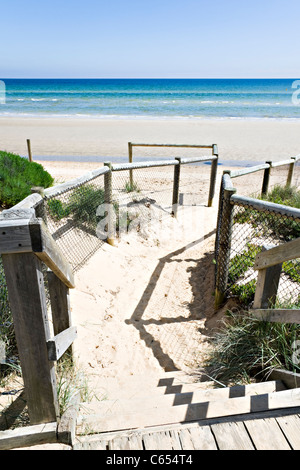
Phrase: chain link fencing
{"type": "Point", "coordinates": [245, 226]}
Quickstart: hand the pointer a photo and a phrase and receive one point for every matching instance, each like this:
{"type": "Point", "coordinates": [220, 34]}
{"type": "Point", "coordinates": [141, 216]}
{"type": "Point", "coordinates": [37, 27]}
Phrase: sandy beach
{"type": "Point", "coordinates": [146, 305]}
{"type": "Point", "coordinates": [238, 140]}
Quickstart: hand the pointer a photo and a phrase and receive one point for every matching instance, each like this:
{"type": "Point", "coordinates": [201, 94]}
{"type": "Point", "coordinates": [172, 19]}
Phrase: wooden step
{"type": "Point", "coordinates": [107, 407]}
{"type": "Point", "coordinates": [141, 385]}
{"type": "Point", "coordinates": [105, 419]}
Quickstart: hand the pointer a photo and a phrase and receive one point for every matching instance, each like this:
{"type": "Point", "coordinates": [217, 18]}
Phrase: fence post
{"type": "Point", "coordinates": [213, 176]}
{"type": "Point", "coordinates": [40, 208]}
{"type": "Point", "coordinates": [291, 172]}
{"type": "Point", "coordinates": [176, 183]}
{"type": "Point", "coordinates": [266, 179]}
{"type": "Point", "coordinates": [27, 297]}
{"type": "Point", "coordinates": [223, 241]}
{"type": "Point", "coordinates": [267, 285]}
{"type": "Point", "coordinates": [109, 202]}
{"type": "Point", "coordinates": [130, 161]}
{"type": "Point", "coordinates": [60, 306]}
{"type": "Point", "coordinates": [29, 150]}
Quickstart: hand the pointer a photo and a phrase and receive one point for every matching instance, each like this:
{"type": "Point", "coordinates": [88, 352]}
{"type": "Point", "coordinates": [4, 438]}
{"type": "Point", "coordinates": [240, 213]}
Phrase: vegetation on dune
{"type": "Point", "coordinates": [18, 176]}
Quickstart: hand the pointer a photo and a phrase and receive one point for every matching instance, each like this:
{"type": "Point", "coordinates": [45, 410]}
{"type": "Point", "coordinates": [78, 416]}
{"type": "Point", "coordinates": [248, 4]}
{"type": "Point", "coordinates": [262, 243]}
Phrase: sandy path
{"type": "Point", "coordinates": [141, 308]}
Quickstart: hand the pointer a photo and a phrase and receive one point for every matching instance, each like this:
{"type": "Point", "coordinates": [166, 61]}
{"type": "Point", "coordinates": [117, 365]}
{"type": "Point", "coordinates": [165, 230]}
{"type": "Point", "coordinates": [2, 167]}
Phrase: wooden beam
{"type": "Point", "coordinates": [27, 298]}
{"type": "Point", "coordinates": [277, 255]}
{"type": "Point", "coordinates": [277, 315]}
{"type": "Point", "coordinates": [247, 171]}
{"type": "Point", "coordinates": [32, 235]}
{"type": "Point", "coordinates": [58, 345]}
{"type": "Point", "coordinates": [28, 436]}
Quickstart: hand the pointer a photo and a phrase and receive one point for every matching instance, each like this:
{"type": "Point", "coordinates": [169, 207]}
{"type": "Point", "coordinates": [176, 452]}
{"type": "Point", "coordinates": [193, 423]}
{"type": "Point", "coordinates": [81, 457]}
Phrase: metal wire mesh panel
{"type": "Point", "coordinates": [278, 176]}
{"type": "Point", "coordinates": [72, 220]}
{"type": "Point", "coordinates": [251, 230]}
{"type": "Point", "coordinates": [151, 152]}
{"type": "Point", "coordinates": [139, 195]}
{"type": "Point", "coordinates": [296, 177]}
{"type": "Point", "coordinates": [194, 184]}
{"type": "Point", "coordinates": [250, 184]}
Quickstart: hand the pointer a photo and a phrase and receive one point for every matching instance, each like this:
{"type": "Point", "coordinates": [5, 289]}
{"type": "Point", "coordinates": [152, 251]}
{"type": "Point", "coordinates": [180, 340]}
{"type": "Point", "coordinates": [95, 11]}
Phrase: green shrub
{"type": "Point", "coordinates": [246, 347]}
{"type": "Point", "coordinates": [17, 176]}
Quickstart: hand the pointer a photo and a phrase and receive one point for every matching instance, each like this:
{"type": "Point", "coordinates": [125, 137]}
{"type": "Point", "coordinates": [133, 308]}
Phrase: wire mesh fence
{"type": "Point", "coordinates": [245, 227]}
{"type": "Point", "coordinates": [72, 220]}
{"type": "Point", "coordinates": [252, 230]}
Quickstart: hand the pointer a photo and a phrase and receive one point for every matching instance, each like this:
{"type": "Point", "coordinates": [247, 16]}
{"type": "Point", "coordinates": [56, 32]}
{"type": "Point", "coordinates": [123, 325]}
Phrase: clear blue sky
{"type": "Point", "coordinates": [150, 38]}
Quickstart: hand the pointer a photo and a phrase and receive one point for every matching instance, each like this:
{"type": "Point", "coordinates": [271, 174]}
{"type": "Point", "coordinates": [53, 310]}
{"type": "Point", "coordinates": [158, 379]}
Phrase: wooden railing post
{"type": "Point", "coordinates": [130, 161]}
{"type": "Point", "coordinates": [213, 176]}
{"type": "Point", "coordinates": [266, 179]}
{"type": "Point", "coordinates": [60, 306]}
{"type": "Point", "coordinates": [25, 243]}
{"type": "Point", "coordinates": [110, 229]}
{"type": "Point", "coordinates": [27, 298]}
{"type": "Point", "coordinates": [267, 285]}
{"type": "Point", "coordinates": [176, 184]}
{"type": "Point", "coordinates": [291, 172]}
{"type": "Point", "coordinates": [223, 242]}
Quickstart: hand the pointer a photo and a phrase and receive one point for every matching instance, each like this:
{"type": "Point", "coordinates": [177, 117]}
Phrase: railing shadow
{"type": "Point", "coordinates": [205, 267]}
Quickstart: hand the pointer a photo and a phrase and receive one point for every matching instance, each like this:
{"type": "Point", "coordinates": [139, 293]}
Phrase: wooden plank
{"type": "Point", "coordinates": [186, 439]}
{"type": "Point", "coordinates": [173, 145]}
{"type": "Point", "coordinates": [176, 444]}
{"type": "Point", "coordinates": [290, 379]}
{"type": "Point", "coordinates": [47, 250]}
{"type": "Point", "coordinates": [27, 297]}
{"type": "Point", "coordinates": [151, 442]}
{"type": "Point", "coordinates": [28, 436]}
{"type": "Point", "coordinates": [206, 158]}
{"type": "Point", "coordinates": [66, 431]}
{"type": "Point", "coordinates": [58, 345]}
{"type": "Point", "coordinates": [282, 163]}
{"type": "Point", "coordinates": [232, 436]}
{"type": "Point", "coordinates": [278, 254]}
{"type": "Point", "coordinates": [119, 443]}
{"type": "Point", "coordinates": [15, 236]}
{"type": "Point", "coordinates": [140, 165]}
{"type": "Point", "coordinates": [25, 236]}
{"type": "Point", "coordinates": [153, 402]}
{"type": "Point", "coordinates": [267, 287]}
{"type": "Point", "coordinates": [247, 171]}
{"type": "Point", "coordinates": [203, 438]}
{"type": "Point", "coordinates": [108, 421]}
{"type": "Point", "coordinates": [266, 434]}
{"type": "Point", "coordinates": [290, 426]}
{"type": "Point", "coordinates": [277, 315]}
{"type": "Point", "coordinates": [60, 303]}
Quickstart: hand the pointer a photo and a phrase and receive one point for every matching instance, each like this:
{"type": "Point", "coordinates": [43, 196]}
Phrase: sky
{"type": "Point", "coordinates": [149, 39]}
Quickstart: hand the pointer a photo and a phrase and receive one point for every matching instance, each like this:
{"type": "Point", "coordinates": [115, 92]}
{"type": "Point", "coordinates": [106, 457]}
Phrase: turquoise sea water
{"type": "Point", "coordinates": [151, 98]}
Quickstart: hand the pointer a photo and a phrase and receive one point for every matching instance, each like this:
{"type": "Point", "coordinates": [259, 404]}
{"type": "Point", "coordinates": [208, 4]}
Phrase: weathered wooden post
{"type": "Point", "coordinates": [110, 229]}
{"type": "Point", "coordinates": [176, 184]}
{"type": "Point", "coordinates": [213, 176]}
{"type": "Point", "coordinates": [29, 150]}
{"type": "Point", "coordinates": [223, 243]}
{"type": "Point", "coordinates": [267, 286]}
{"type": "Point", "coordinates": [291, 172]}
{"type": "Point", "coordinates": [25, 243]}
{"type": "Point", "coordinates": [130, 161]}
{"type": "Point", "coordinates": [266, 179]}
{"type": "Point", "coordinates": [27, 298]}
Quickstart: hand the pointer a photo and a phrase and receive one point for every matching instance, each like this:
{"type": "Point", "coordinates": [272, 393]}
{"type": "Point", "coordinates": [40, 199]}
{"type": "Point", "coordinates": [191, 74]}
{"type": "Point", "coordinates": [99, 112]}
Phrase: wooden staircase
{"type": "Point", "coordinates": [176, 401]}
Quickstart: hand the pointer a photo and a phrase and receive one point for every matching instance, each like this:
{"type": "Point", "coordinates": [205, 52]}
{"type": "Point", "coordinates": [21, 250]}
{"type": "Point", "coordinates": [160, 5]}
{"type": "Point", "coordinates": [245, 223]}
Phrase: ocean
{"type": "Point", "coordinates": [151, 98]}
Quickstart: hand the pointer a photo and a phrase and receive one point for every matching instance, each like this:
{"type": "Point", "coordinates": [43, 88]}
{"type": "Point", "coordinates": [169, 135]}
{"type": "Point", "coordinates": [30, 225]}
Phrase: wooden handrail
{"type": "Point", "coordinates": [278, 254]}
{"type": "Point", "coordinates": [32, 235]}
